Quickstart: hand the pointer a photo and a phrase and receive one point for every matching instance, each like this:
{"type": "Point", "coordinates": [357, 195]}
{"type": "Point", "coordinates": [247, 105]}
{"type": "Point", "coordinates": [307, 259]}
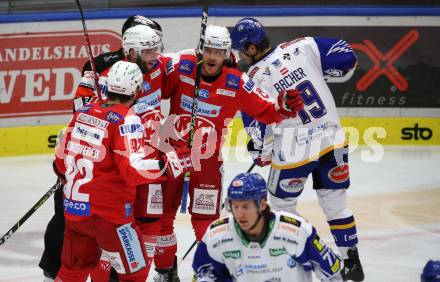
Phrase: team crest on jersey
{"type": "Point", "coordinates": [232, 81]}
{"type": "Point", "coordinates": [290, 220]}
{"type": "Point", "coordinates": [203, 94]}
{"type": "Point", "coordinates": [186, 66]}
{"type": "Point", "coordinates": [113, 117]}
{"type": "Point", "coordinates": [146, 86]}
{"type": "Point", "coordinates": [277, 63]}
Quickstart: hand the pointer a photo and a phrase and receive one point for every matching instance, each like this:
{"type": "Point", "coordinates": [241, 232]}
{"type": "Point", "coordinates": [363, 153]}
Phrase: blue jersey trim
{"type": "Point", "coordinates": [227, 11]}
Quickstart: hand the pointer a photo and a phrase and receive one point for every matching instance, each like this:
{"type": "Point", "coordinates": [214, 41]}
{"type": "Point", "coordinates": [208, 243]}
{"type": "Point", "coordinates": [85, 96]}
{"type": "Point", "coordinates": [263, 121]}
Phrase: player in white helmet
{"type": "Point", "coordinates": [257, 244]}
{"type": "Point", "coordinates": [223, 91]}
{"type": "Point", "coordinates": [102, 159]}
{"type": "Point", "coordinates": [141, 44]}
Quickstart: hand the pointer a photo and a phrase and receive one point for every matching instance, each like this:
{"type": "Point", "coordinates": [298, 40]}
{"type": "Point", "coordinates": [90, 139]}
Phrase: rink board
{"type": "Point", "coordinates": [17, 141]}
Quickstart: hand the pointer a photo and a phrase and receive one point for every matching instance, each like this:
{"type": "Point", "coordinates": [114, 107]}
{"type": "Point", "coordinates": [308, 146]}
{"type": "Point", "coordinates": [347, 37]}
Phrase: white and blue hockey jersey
{"type": "Point", "coordinates": [290, 251]}
{"type": "Point", "coordinates": [305, 64]}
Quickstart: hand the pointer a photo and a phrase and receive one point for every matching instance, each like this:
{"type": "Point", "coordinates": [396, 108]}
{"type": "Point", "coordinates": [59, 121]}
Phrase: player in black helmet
{"type": "Point", "coordinates": [53, 238]}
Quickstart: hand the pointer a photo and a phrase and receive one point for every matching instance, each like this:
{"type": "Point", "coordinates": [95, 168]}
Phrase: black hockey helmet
{"type": "Point", "coordinates": [138, 19]}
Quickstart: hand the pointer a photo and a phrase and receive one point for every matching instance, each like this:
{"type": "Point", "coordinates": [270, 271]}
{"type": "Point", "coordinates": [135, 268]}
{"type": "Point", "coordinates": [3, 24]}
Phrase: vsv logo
{"type": "Point", "coordinates": [383, 63]}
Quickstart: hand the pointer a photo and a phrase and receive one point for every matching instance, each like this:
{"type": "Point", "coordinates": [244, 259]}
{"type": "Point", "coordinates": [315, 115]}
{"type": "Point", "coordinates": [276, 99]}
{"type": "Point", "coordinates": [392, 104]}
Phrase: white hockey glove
{"type": "Point", "coordinates": [178, 162]}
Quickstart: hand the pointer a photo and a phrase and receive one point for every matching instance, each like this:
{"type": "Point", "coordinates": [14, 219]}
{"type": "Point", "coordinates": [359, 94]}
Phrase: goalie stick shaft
{"type": "Point", "coordinates": [223, 205]}
{"type": "Point", "coordinates": [195, 100]}
{"type": "Point", "coordinates": [89, 50]}
{"type": "Point", "coordinates": [22, 220]}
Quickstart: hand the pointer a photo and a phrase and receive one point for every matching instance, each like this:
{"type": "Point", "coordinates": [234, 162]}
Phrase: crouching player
{"type": "Point", "coordinates": [257, 244]}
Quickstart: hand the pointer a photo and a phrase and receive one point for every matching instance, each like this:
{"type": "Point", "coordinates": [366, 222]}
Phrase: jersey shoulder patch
{"type": "Point", "coordinates": [219, 222]}
{"type": "Point", "coordinates": [290, 220]}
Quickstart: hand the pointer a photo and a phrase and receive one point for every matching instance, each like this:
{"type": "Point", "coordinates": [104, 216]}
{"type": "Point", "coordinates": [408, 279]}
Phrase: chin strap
{"type": "Point", "coordinates": [256, 222]}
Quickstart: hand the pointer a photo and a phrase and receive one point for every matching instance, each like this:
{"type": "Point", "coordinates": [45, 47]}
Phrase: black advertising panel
{"type": "Point", "coordinates": [397, 67]}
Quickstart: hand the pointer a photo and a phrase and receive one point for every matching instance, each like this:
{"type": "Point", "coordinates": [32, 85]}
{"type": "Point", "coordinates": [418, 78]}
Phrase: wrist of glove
{"type": "Point", "coordinates": [177, 162]}
{"type": "Point", "coordinates": [289, 103]}
{"type": "Point", "coordinates": [257, 156]}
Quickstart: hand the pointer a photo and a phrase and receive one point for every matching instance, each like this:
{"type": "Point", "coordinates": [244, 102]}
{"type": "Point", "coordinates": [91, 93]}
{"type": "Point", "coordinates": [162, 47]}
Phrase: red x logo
{"type": "Point", "coordinates": [388, 70]}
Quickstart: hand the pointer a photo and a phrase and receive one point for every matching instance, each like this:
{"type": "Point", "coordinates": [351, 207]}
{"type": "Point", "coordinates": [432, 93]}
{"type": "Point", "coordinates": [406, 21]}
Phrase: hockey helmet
{"type": "Point", "coordinates": [431, 272]}
{"type": "Point", "coordinates": [139, 38]}
{"type": "Point", "coordinates": [141, 20]}
{"type": "Point", "coordinates": [124, 78]}
{"type": "Point", "coordinates": [247, 186]}
{"type": "Point", "coordinates": [217, 37]}
{"type": "Point", "coordinates": [247, 30]}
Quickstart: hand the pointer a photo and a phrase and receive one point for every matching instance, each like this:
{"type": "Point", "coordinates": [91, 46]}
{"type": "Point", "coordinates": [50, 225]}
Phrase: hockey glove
{"type": "Point", "coordinates": [290, 103]}
{"type": "Point", "coordinates": [232, 61]}
{"type": "Point", "coordinates": [58, 173]}
{"type": "Point", "coordinates": [256, 155]}
{"type": "Point", "coordinates": [86, 87]}
{"type": "Point", "coordinates": [177, 162]}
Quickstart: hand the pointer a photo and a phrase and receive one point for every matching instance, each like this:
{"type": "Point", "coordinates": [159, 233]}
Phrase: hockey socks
{"type": "Point", "coordinates": [200, 226]}
{"type": "Point", "coordinates": [344, 231]}
{"type": "Point", "coordinates": [166, 249]}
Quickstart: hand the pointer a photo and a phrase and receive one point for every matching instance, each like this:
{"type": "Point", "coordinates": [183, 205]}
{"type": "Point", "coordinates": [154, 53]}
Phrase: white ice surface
{"type": "Point", "coordinates": [398, 233]}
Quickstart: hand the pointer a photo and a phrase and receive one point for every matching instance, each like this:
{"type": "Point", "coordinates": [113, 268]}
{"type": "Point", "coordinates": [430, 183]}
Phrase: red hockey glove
{"type": "Point", "coordinates": [177, 162]}
{"type": "Point", "coordinates": [290, 103]}
{"type": "Point", "coordinates": [86, 87]}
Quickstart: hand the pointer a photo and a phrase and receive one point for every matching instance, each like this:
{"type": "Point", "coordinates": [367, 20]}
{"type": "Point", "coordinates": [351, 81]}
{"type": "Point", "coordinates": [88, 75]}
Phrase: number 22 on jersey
{"type": "Point", "coordinates": [75, 202]}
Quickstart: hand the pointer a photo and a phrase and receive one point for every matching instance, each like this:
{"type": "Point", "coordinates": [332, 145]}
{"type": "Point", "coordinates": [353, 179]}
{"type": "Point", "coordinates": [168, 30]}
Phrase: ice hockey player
{"type": "Point", "coordinates": [313, 142]}
{"type": "Point", "coordinates": [257, 244]}
{"type": "Point", "coordinates": [102, 159]}
{"type": "Point", "coordinates": [223, 92]}
{"type": "Point", "coordinates": [142, 45]}
{"type": "Point", "coordinates": [86, 88]}
{"type": "Point", "coordinates": [53, 237]}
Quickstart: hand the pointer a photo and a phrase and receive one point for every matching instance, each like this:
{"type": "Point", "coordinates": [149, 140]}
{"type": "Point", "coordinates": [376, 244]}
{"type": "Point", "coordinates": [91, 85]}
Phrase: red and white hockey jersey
{"type": "Point", "coordinates": [218, 101]}
{"type": "Point", "coordinates": [103, 159]}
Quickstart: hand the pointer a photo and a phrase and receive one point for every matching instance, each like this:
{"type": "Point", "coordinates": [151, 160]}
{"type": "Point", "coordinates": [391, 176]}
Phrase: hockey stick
{"type": "Point", "coordinates": [31, 211]}
{"type": "Point", "coordinates": [223, 205]}
{"type": "Point", "coordinates": [89, 50]}
{"type": "Point", "coordinates": [195, 101]}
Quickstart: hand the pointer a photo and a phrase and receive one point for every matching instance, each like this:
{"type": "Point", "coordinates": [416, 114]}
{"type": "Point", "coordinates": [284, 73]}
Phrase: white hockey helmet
{"type": "Point", "coordinates": [140, 37]}
{"type": "Point", "coordinates": [217, 37]}
{"type": "Point", "coordinates": [124, 78]}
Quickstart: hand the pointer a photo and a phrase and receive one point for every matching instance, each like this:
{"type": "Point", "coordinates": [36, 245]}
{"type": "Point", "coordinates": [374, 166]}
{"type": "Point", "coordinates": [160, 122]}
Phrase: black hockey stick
{"type": "Point", "coordinates": [223, 205]}
{"type": "Point", "coordinates": [89, 50]}
{"type": "Point", "coordinates": [195, 100]}
{"type": "Point", "coordinates": [31, 211]}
